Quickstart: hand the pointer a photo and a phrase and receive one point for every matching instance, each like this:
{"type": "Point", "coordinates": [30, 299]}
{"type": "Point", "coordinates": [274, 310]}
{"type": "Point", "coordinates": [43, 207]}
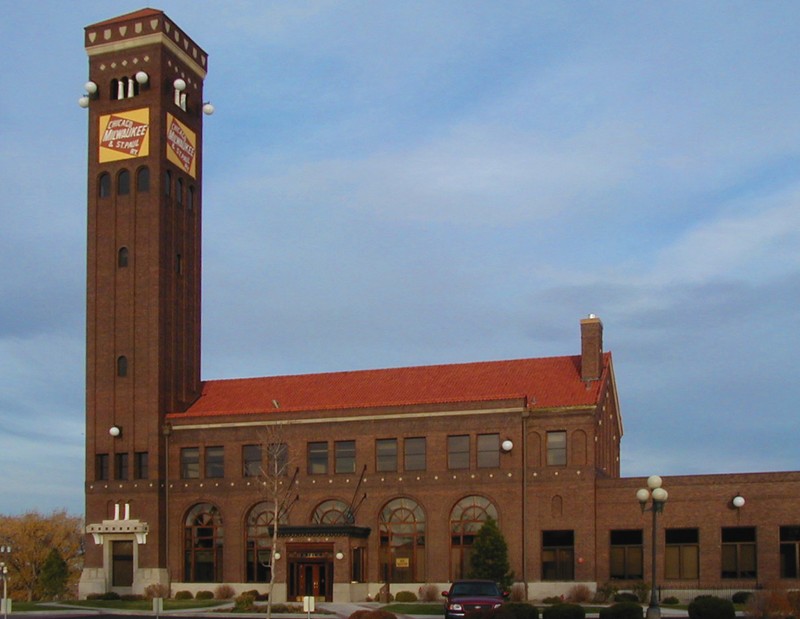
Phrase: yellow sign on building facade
{"type": "Point", "coordinates": [181, 146]}
{"type": "Point", "coordinates": [124, 135]}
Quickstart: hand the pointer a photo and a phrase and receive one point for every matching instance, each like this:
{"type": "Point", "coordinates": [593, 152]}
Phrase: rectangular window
{"type": "Point", "coordinates": [386, 454]}
{"type": "Point", "coordinates": [488, 451]}
{"type": "Point", "coordinates": [626, 554]}
{"type": "Point", "coordinates": [414, 456]}
{"type": "Point", "coordinates": [251, 460]}
{"type": "Point", "coordinates": [458, 452]}
{"type": "Point", "coordinates": [682, 558]}
{"type": "Point", "coordinates": [121, 466]}
{"type": "Point", "coordinates": [318, 458]}
{"type": "Point", "coordinates": [344, 455]}
{"type": "Point", "coordinates": [790, 552]}
{"type": "Point", "coordinates": [278, 459]}
{"type": "Point", "coordinates": [215, 462]}
{"type": "Point", "coordinates": [557, 448]}
{"type": "Point", "coordinates": [558, 555]}
{"type": "Point", "coordinates": [738, 552]}
{"type": "Point", "coordinates": [101, 467]}
{"type": "Point", "coordinates": [190, 463]}
{"type": "Point", "coordinates": [358, 565]}
{"type": "Point", "coordinates": [141, 465]}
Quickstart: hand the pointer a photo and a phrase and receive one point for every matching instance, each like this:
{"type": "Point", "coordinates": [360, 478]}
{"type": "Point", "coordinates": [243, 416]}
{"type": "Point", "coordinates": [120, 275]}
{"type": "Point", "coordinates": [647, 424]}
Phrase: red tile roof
{"type": "Point", "coordinates": [141, 13]}
{"type": "Point", "coordinates": [545, 382]}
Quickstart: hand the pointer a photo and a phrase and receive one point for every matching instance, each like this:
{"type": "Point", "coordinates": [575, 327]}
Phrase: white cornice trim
{"type": "Point", "coordinates": [149, 39]}
{"type": "Point", "coordinates": [390, 416]}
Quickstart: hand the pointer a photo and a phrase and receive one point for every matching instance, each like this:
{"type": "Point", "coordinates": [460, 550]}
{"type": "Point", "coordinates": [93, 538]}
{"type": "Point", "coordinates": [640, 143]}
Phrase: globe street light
{"type": "Point", "coordinates": [657, 496]}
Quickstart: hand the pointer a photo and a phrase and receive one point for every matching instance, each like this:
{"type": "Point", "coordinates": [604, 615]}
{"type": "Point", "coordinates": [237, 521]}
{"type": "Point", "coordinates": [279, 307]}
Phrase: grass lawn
{"type": "Point", "coordinates": [132, 605]}
{"type": "Point", "coordinates": [416, 608]}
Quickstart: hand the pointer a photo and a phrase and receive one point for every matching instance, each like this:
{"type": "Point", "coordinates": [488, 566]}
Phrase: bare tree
{"type": "Point", "coordinates": [279, 490]}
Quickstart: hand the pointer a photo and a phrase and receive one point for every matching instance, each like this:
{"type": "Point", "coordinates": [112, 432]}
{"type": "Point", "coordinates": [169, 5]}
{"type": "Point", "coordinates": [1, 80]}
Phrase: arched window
{"type": "Point", "coordinates": [143, 180]}
{"type": "Point", "coordinates": [114, 92]}
{"type": "Point", "coordinates": [190, 198]}
{"type": "Point", "coordinates": [179, 191]}
{"type": "Point", "coordinates": [167, 183]}
{"type": "Point", "coordinates": [122, 366]}
{"type": "Point", "coordinates": [466, 519]}
{"type": "Point", "coordinates": [259, 541]}
{"type": "Point", "coordinates": [402, 541]}
{"type": "Point", "coordinates": [104, 185]}
{"type": "Point", "coordinates": [123, 183]}
{"type": "Point", "coordinates": [122, 257]}
{"type": "Point", "coordinates": [202, 544]}
{"type": "Point", "coordinates": [332, 512]}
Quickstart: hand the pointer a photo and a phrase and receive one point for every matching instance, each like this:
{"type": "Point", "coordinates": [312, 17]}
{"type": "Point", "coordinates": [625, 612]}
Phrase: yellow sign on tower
{"type": "Point", "coordinates": [124, 135]}
{"type": "Point", "coordinates": [181, 146]}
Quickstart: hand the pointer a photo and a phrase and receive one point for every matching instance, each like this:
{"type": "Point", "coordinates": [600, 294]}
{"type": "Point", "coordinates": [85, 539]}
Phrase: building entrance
{"type": "Point", "coordinates": [310, 571]}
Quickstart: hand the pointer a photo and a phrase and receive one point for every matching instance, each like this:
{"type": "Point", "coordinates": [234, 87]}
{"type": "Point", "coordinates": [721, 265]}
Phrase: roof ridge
{"type": "Point", "coordinates": [462, 364]}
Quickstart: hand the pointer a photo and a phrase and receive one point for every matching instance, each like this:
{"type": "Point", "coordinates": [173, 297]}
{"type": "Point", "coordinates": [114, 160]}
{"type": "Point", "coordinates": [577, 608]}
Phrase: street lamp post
{"type": "Point", "coordinates": [5, 550]}
{"type": "Point", "coordinates": [657, 496]}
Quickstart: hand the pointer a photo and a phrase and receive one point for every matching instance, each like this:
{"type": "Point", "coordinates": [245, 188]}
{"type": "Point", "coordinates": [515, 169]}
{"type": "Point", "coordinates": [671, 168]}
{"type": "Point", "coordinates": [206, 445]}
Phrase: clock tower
{"type": "Point", "coordinates": [145, 105]}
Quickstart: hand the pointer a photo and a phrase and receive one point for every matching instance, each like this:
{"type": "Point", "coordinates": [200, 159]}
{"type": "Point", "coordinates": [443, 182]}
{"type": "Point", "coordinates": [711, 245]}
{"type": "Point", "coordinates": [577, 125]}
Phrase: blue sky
{"type": "Point", "coordinates": [409, 183]}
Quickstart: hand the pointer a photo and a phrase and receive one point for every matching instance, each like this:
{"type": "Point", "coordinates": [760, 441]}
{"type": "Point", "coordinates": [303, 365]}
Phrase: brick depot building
{"type": "Point", "coordinates": [383, 476]}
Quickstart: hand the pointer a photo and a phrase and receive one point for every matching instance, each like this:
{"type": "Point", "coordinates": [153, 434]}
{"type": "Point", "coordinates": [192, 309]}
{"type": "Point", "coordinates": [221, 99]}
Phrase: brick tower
{"type": "Point", "coordinates": [145, 105]}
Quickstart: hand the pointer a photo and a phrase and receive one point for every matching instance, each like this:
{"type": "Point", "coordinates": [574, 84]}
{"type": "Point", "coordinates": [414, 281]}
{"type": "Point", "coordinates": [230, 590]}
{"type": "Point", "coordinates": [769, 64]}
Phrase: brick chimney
{"type": "Point", "coordinates": [591, 348]}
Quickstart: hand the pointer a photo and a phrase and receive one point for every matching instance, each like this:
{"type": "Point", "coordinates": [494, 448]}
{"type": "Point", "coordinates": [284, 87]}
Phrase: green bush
{"type": "Point", "coordinates": [429, 593]}
{"type": "Point", "coordinates": [553, 599]}
{"type": "Point", "coordinates": [517, 610]}
{"type": "Point", "coordinates": [564, 611]}
{"type": "Point", "coordinates": [741, 597]}
{"type": "Point", "coordinates": [184, 595]}
{"type": "Point", "coordinates": [711, 607]}
{"type": "Point", "coordinates": [405, 597]}
{"type": "Point", "coordinates": [108, 596]}
{"type": "Point", "coordinates": [244, 603]}
{"type": "Point", "coordinates": [626, 596]}
{"type": "Point", "coordinates": [606, 592]}
{"type": "Point", "coordinates": [670, 600]}
{"type": "Point", "coordinates": [622, 610]}
{"type": "Point", "coordinates": [642, 591]}
{"type": "Point", "coordinates": [204, 595]}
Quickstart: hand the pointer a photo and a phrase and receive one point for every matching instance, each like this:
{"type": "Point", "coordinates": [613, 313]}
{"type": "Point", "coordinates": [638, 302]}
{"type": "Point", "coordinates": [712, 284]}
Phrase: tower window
{"type": "Point", "coordinates": [167, 183]}
{"type": "Point", "coordinates": [104, 185]}
{"type": "Point", "coordinates": [122, 366]}
{"type": "Point", "coordinates": [179, 264]}
{"type": "Point", "coordinates": [190, 198]}
{"type": "Point", "coordinates": [179, 191]}
{"type": "Point", "coordinates": [121, 466]}
{"type": "Point", "coordinates": [124, 88]}
{"type": "Point", "coordinates": [122, 257]}
{"type": "Point", "coordinates": [124, 183]}
{"type": "Point", "coordinates": [143, 180]}
{"type": "Point", "coordinates": [141, 468]}
{"type": "Point", "coordinates": [101, 467]}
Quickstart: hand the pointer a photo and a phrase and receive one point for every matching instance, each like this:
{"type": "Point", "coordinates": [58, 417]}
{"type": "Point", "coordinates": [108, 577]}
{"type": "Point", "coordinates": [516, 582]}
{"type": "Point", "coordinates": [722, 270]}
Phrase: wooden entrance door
{"type": "Point", "coordinates": [313, 579]}
{"type": "Point", "coordinates": [310, 571]}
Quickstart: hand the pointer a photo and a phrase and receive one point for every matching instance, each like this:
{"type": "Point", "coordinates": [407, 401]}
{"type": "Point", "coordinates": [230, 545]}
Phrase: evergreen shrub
{"type": "Point", "coordinates": [622, 610]}
{"type": "Point", "coordinates": [564, 611]}
{"type": "Point", "coordinates": [517, 610]}
{"type": "Point", "coordinates": [711, 607]}
{"type": "Point", "coordinates": [626, 596]}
